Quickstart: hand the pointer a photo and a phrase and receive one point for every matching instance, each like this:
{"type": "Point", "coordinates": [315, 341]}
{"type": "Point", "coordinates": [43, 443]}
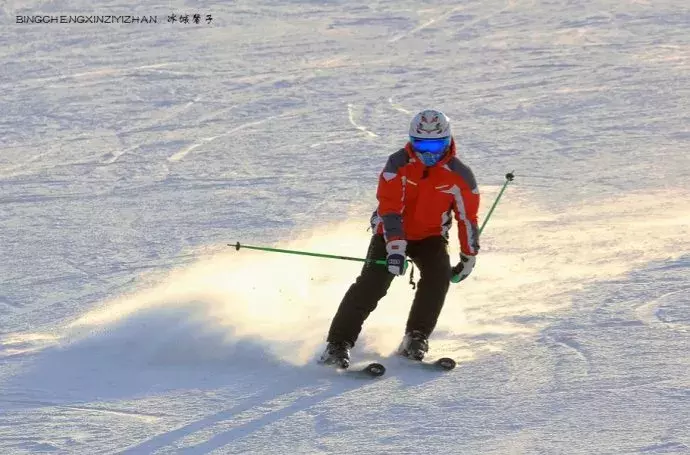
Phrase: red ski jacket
{"type": "Point", "coordinates": [416, 201]}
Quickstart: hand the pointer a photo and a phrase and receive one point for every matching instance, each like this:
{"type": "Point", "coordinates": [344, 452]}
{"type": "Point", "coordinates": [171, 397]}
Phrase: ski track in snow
{"type": "Point", "coordinates": [184, 152]}
{"type": "Point", "coordinates": [147, 418]}
{"type": "Point", "coordinates": [351, 118]}
{"type": "Point", "coordinates": [100, 73]}
{"type": "Point", "coordinates": [650, 312]}
{"type": "Point", "coordinates": [399, 108]}
{"type": "Point", "coordinates": [509, 5]}
{"type": "Point", "coordinates": [171, 114]}
{"type": "Point", "coordinates": [426, 24]}
{"type": "Point", "coordinates": [574, 348]}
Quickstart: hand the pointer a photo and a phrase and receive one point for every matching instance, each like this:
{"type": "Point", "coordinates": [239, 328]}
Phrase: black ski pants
{"type": "Point", "coordinates": [431, 257]}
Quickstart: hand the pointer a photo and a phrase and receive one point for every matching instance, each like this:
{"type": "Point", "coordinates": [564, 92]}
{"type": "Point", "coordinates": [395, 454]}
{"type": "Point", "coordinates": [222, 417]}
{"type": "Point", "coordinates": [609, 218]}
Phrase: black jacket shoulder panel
{"type": "Point", "coordinates": [464, 171]}
{"type": "Point", "coordinates": [396, 161]}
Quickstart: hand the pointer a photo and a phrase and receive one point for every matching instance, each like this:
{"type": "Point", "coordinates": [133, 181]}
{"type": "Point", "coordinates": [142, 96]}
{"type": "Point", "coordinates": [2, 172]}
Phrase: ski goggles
{"type": "Point", "coordinates": [430, 145]}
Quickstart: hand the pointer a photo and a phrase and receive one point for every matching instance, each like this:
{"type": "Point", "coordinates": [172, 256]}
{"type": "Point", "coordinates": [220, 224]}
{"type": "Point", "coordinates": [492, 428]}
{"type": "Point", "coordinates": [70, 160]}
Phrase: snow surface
{"type": "Point", "coordinates": [132, 154]}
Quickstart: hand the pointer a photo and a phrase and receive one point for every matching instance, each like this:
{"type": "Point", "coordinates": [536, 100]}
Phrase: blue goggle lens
{"type": "Point", "coordinates": [430, 145]}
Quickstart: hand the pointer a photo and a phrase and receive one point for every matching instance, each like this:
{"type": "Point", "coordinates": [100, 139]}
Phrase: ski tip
{"type": "Point", "coordinates": [446, 363]}
{"type": "Point", "coordinates": [375, 369]}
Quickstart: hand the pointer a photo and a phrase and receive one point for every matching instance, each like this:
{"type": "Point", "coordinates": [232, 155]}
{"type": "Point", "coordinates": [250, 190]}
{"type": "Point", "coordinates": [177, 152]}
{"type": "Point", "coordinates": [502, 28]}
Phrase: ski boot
{"type": "Point", "coordinates": [414, 345]}
{"type": "Point", "coordinates": [337, 354]}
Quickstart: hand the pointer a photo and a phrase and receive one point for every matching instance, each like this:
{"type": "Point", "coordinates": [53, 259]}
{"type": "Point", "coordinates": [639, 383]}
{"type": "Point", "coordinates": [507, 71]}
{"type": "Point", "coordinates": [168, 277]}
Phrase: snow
{"type": "Point", "coordinates": [132, 154]}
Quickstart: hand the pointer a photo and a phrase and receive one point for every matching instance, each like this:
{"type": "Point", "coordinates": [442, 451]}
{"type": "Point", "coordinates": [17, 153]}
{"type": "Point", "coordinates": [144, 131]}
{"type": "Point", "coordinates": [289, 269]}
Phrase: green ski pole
{"type": "Point", "coordinates": [238, 245]}
{"type": "Point", "coordinates": [509, 178]}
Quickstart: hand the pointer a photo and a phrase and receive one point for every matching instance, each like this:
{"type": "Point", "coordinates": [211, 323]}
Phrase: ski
{"type": "Point", "coordinates": [441, 364]}
{"type": "Point", "coordinates": [444, 363]}
{"type": "Point", "coordinates": [370, 370]}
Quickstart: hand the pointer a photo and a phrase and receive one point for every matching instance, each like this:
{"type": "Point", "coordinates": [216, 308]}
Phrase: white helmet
{"type": "Point", "coordinates": [430, 124]}
{"type": "Point", "coordinates": [430, 136]}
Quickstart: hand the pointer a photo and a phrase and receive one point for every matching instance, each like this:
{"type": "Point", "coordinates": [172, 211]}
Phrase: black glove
{"type": "Point", "coordinates": [463, 268]}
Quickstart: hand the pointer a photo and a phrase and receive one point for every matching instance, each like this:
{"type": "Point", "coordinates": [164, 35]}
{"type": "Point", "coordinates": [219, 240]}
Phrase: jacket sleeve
{"type": "Point", "coordinates": [465, 208]}
{"type": "Point", "coordinates": [391, 196]}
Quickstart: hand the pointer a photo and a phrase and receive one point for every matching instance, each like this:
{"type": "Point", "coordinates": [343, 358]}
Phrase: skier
{"type": "Point", "coordinates": [419, 187]}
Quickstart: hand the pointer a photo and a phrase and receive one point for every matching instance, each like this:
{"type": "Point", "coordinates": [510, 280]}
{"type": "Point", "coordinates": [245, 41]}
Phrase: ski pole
{"type": "Point", "coordinates": [509, 178]}
{"type": "Point", "coordinates": [238, 245]}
